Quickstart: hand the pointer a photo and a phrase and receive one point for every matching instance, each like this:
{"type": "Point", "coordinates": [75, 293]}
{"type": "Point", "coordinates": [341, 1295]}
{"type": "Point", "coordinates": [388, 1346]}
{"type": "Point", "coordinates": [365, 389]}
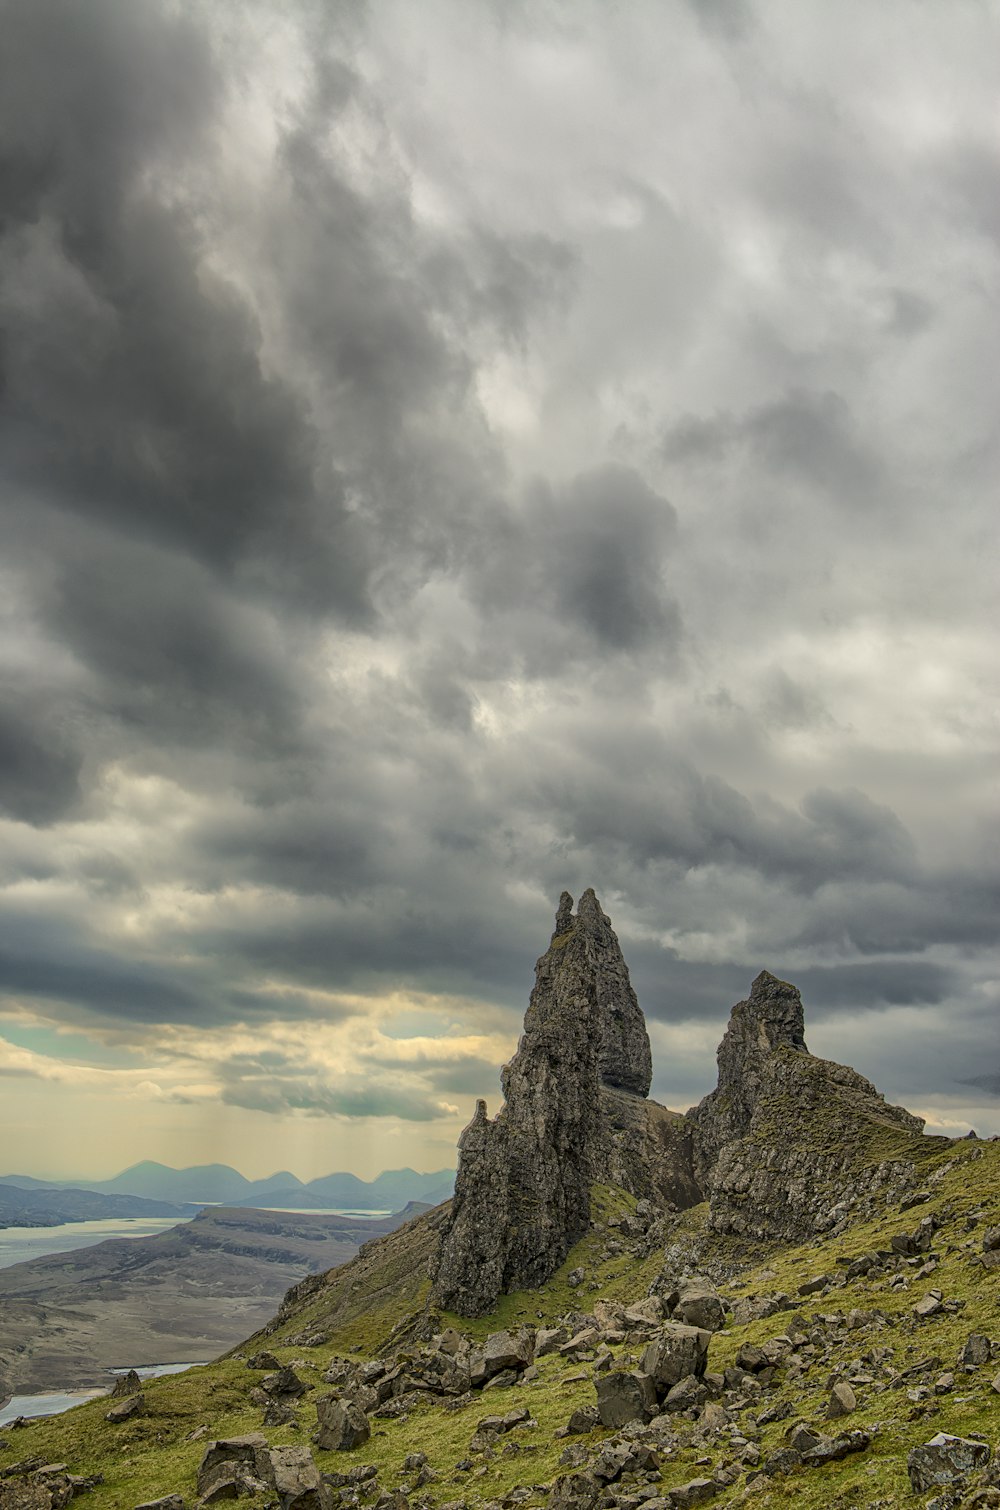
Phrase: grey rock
{"type": "Point", "coordinates": [944, 1460]}
{"type": "Point", "coordinates": [977, 1351]}
{"type": "Point", "coordinates": [674, 1352]}
{"type": "Point", "coordinates": [296, 1480]}
{"type": "Point", "coordinates": [623, 1397]}
{"type": "Point", "coordinates": [612, 1461]}
{"type": "Point", "coordinates": [131, 1405]}
{"type": "Point", "coordinates": [701, 1308]}
{"type": "Point", "coordinates": [583, 1420]}
{"type": "Point", "coordinates": [842, 1400]}
{"type": "Point", "coordinates": [166, 1502]}
{"type": "Point", "coordinates": [232, 1466]}
{"type": "Point", "coordinates": [264, 1361]}
{"type": "Point", "coordinates": [686, 1394]}
{"type": "Point", "coordinates": [783, 1461]}
{"type": "Point", "coordinates": [573, 1456]}
{"type": "Point", "coordinates": [549, 1339]}
{"type": "Point", "coordinates": [694, 1492]}
{"type": "Point", "coordinates": [278, 1413]}
{"type": "Point", "coordinates": [833, 1449]}
{"type": "Point", "coordinates": [127, 1384]}
{"type": "Point", "coordinates": [583, 1341]}
{"type": "Point", "coordinates": [340, 1424]}
{"type": "Point", "coordinates": [645, 1313]}
{"type": "Point", "coordinates": [802, 1437]}
{"type": "Point", "coordinates": [575, 1491]}
{"type": "Point", "coordinates": [285, 1383]}
{"type": "Point", "coordinates": [765, 1184]}
{"type": "Point", "coordinates": [522, 1192]}
{"type": "Point", "coordinates": [507, 1349]}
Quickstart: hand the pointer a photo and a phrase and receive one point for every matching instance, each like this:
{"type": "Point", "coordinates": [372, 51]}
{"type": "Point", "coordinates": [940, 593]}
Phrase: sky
{"type": "Point", "coordinates": [450, 453]}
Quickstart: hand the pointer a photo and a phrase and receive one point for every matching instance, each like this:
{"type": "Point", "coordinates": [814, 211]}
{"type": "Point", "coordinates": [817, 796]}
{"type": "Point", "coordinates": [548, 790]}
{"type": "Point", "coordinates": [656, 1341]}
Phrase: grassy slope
{"type": "Point", "coordinates": [362, 1303]}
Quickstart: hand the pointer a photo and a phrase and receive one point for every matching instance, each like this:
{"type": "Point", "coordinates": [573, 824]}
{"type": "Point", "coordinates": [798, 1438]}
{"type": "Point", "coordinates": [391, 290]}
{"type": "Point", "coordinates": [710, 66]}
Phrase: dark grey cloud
{"type": "Point", "coordinates": [580, 573]}
{"type": "Point", "coordinates": [423, 494]}
{"type": "Point", "coordinates": [40, 759]}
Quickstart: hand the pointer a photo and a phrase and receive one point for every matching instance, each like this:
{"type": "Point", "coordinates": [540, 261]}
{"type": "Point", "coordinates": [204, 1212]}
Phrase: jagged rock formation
{"type": "Point", "coordinates": [522, 1194]}
{"type": "Point", "coordinates": [646, 1149]}
{"type": "Point", "coordinates": [784, 1146]}
{"type": "Point", "coordinates": [787, 1140]}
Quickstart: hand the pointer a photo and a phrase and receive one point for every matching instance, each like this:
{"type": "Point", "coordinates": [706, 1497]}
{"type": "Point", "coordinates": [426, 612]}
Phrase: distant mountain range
{"type": "Point", "coordinates": [217, 1184]}
{"type": "Point", "coordinates": [36, 1205]}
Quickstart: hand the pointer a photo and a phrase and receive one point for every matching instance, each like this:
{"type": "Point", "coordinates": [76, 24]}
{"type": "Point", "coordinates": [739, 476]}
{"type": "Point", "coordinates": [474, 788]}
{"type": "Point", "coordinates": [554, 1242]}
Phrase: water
{"type": "Point", "coordinates": [323, 1211]}
{"type": "Point", "coordinates": [19, 1244]}
{"type": "Point", "coordinates": [54, 1404]}
{"type": "Point", "coordinates": [44, 1405]}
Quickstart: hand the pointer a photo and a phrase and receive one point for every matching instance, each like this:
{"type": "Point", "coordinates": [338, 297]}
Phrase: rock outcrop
{"type": "Point", "coordinates": [785, 1146]}
{"type": "Point", "coordinates": [522, 1193]}
{"type": "Point", "coordinates": [787, 1142]}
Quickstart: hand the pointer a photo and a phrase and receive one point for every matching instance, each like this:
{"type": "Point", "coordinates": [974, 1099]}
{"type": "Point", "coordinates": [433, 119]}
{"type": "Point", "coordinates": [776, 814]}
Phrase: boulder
{"type": "Point", "coordinates": [285, 1383]}
{"type": "Point", "coordinates": [166, 1502]}
{"type": "Point", "coordinates": [645, 1313]}
{"type": "Point", "coordinates": [264, 1361]}
{"type": "Point", "coordinates": [686, 1394]}
{"type": "Point", "coordinates": [233, 1466]}
{"type": "Point", "coordinates": [842, 1400]}
{"type": "Point", "coordinates": [701, 1308]}
{"type": "Point", "coordinates": [977, 1351]}
{"type": "Point", "coordinates": [24, 1491]}
{"type": "Point", "coordinates": [341, 1425]}
{"type": "Point", "coordinates": [575, 1491]}
{"type": "Point", "coordinates": [131, 1405]}
{"type": "Point", "coordinates": [549, 1338]}
{"type": "Point", "coordinates": [944, 1460]}
{"type": "Point", "coordinates": [126, 1384]}
{"type": "Point", "coordinates": [694, 1492]}
{"type": "Point", "coordinates": [508, 1350]}
{"type": "Point", "coordinates": [614, 1459]}
{"type": "Point", "coordinates": [623, 1397]}
{"type": "Point", "coordinates": [675, 1351]}
{"type": "Point", "coordinates": [297, 1481]}
{"type": "Point", "coordinates": [833, 1449]}
{"type": "Point", "coordinates": [802, 1436]}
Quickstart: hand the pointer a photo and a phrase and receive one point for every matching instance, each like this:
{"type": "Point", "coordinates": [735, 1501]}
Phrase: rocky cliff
{"type": "Point", "coordinates": [787, 1142]}
{"type": "Point", "coordinates": [574, 1104]}
{"type": "Point", "coordinates": [785, 1145]}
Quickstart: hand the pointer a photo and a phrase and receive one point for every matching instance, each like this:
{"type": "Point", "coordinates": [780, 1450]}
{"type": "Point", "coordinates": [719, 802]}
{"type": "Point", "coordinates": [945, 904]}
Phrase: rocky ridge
{"type": "Point", "coordinates": [852, 1371]}
{"type": "Point", "coordinates": [787, 1142]}
{"type": "Point", "coordinates": [522, 1192]}
{"type": "Point", "coordinates": [786, 1145]}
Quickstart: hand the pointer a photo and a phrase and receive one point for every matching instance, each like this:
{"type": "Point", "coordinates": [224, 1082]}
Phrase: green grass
{"type": "Point", "coordinates": [361, 1305]}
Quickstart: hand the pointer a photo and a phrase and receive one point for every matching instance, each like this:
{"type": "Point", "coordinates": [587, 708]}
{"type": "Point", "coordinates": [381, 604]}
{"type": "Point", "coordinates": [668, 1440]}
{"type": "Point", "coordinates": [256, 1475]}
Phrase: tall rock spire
{"type": "Point", "coordinates": [522, 1193]}
{"type": "Point", "coordinates": [624, 1059]}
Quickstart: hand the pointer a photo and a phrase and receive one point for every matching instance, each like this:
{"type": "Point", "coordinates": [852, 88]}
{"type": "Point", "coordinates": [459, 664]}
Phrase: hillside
{"type": "Point", "coordinates": [181, 1296]}
{"type": "Point", "coordinates": [850, 1326]}
{"type": "Point", "coordinates": [782, 1295]}
{"type": "Point", "coordinates": [47, 1207]}
{"type": "Point", "coordinates": [217, 1184]}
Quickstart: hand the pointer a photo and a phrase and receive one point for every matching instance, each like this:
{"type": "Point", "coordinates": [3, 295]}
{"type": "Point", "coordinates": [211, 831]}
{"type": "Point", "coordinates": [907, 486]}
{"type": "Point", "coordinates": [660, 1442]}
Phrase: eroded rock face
{"type": "Point", "coordinates": [784, 1145]}
{"type": "Point", "coordinates": [522, 1194]}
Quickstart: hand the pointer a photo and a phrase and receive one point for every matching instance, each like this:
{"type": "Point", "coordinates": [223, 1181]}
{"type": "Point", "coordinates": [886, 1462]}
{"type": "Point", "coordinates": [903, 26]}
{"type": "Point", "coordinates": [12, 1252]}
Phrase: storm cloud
{"type": "Point", "coordinates": [451, 457]}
